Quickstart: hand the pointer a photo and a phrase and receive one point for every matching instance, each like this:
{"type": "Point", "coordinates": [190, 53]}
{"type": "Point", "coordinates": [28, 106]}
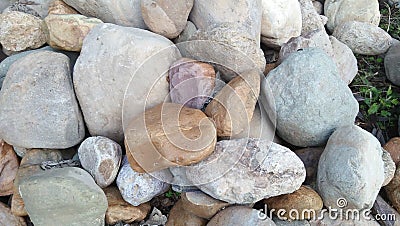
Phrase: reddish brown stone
{"type": "Point", "coordinates": [8, 219]}
{"type": "Point", "coordinates": [8, 168]}
{"type": "Point", "coordinates": [178, 216]}
{"type": "Point", "coordinates": [393, 147]}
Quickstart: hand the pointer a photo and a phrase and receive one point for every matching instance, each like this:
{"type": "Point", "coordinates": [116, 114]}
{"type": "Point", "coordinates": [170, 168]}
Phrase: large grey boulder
{"type": "Point", "coordinates": [340, 11]}
{"type": "Point", "coordinates": [344, 59]}
{"type": "Point", "coordinates": [67, 196]}
{"type": "Point", "coordinates": [392, 64]}
{"type": "Point", "coordinates": [121, 12]}
{"type": "Point", "coordinates": [38, 104]}
{"type": "Point", "coordinates": [120, 72]}
{"type": "Point", "coordinates": [363, 38]}
{"type": "Point", "coordinates": [310, 98]}
{"type": "Point", "coordinates": [351, 168]}
{"type": "Point", "coordinates": [245, 171]}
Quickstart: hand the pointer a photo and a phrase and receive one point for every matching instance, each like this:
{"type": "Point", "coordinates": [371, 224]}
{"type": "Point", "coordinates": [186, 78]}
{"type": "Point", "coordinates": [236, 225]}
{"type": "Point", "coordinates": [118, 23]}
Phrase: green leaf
{"type": "Point", "coordinates": [395, 102]}
{"type": "Point", "coordinates": [385, 113]}
{"type": "Point", "coordinates": [389, 91]}
{"type": "Point", "coordinates": [373, 109]}
{"type": "Point", "coordinates": [379, 60]}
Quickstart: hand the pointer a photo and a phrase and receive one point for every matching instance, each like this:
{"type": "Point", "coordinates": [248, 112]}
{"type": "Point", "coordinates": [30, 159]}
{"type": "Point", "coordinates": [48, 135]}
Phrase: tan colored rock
{"type": "Point", "coordinates": [233, 107]}
{"type": "Point", "coordinates": [393, 147]}
{"type": "Point", "coordinates": [30, 165]}
{"type": "Point", "coordinates": [303, 199]}
{"type": "Point", "coordinates": [120, 210]}
{"type": "Point", "coordinates": [20, 31]}
{"type": "Point", "coordinates": [180, 217]}
{"type": "Point", "coordinates": [8, 168]}
{"type": "Point", "coordinates": [393, 190]}
{"type": "Point", "coordinates": [165, 17]}
{"type": "Point", "coordinates": [67, 32]}
{"type": "Point", "coordinates": [60, 7]}
{"type": "Point", "coordinates": [8, 219]}
{"type": "Point", "coordinates": [240, 215]}
{"type": "Point", "coordinates": [170, 135]}
{"type": "Point", "coordinates": [201, 205]}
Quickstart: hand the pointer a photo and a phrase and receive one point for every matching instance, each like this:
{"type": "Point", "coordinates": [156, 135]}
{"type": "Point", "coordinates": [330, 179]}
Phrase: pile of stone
{"type": "Point", "coordinates": [106, 105]}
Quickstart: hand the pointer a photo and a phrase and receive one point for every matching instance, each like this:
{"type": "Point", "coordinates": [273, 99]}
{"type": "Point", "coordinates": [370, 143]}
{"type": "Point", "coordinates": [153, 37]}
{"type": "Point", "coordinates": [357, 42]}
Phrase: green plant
{"type": "Point", "coordinates": [170, 193]}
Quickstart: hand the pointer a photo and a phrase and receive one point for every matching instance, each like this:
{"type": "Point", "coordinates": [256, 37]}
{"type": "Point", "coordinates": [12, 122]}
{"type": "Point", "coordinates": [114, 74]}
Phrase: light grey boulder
{"type": "Point", "coordinates": [165, 17]}
{"type": "Point", "coordinates": [392, 64]}
{"type": "Point", "coordinates": [363, 38]}
{"type": "Point", "coordinates": [121, 12]}
{"type": "Point", "coordinates": [39, 107]}
{"type": "Point", "coordinates": [311, 18]}
{"type": "Point", "coordinates": [244, 171]}
{"type": "Point", "coordinates": [39, 8]}
{"type": "Point", "coordinates": [281, 20]}
{"type": "Point", "coordinates": [68, 196]}
{"type": "Point", "coordinates": [389, 167]}
{"type": "Point", "coordinates": [351, 168]}
{"type": "Point", "coordinates": [240, 215]}
{"type": "Point", "coordinates": [340, 11]}
{"type": "Point", "coordinates": [311, 100]}
{"type": "Point", "coordinates": [187, 33]}
{"type": "Point", "coordinates": [228, 46]}
{"type": "Point", "coordinates": [137, 188]}
{"type": "Point", "coordinates": [120, 72]}
{"type": "Point", "coordinates": [318, 6]}
{"type": "Point", "coordinates": [101, 157]}
{"type": "Point", "coordinates": [6, 3]}
{"type": "Point", "coordinates": [345, 60]}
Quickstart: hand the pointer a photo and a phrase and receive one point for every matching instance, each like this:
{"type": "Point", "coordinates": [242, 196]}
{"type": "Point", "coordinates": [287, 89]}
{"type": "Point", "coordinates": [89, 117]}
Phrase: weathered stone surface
{"type": "Point", "coordinates": [20, 31]}
{"type": "Point", "coordinates": [101, 157]}
{"type": "Point", "coordinates": [189, 30]}
{"type": "Point", "coordinates": [363, 38]}
{"type": "Point", "coordinates": [393, 147]}
{"type": "Point", "coordinates": [310, 98]}
{"type": "Point", "coordinates": [6, 3]}
{"type": "Point", "coordinates": [170, 135]}
{"type": "Point", "coordinates": [279, 222]}
{"type": "Point", "coordinates": [114, 59]}
{"type": "Point", "coordinates": [244, 13]}
{"type": "Point", "coordinates": [240, 215]}
{"type": "Point", "coordinates": [180, 182]}
{"type": "Point", "coordinates": [392, 64]}
{"type": "Point", "coordinates": [191, 82]}
{"type": "Point", "coordinates": [382, 208]}
{"type": "Point", "coordinates": [231, 48]}
{"type": "Point", "coordinates": [310, 158]}
{"type": "Point", "coordinates": [138, 188]}
{"type": "Point", "coordinates": [318, 6]}
{"type": "Point", "coordinates": [389, 167]}
{"type": "Point", "coordinates": [310, 17]}
{"type": "Point", "coordinates": [301, 200]}
{"type": "Point", "coordinates": [21, 152]}
{"type": "Point", "coordinates": [342, 221]}
{"type": "Point", "coordinates": [233, 107]}
{"type": "Point", "coordinates": [37, 8]}
{"type": "Point", "coordinates": [165, 17]}
{"type": "Point", "coordinates": [393, 190]}
{"type": "Point", "coordinates": [340, 11]}
{"type": "Point", "coordinates": [7, 218]}
{"type": "Point", "coordinates": [119, 210]}
{"type": "Point", "coordinates": [38, 81]}
{"type": "Point", "coordinates": [67, 32]}
{"type": "Point", "coordinates": [121, 12]}
{"type": "Point", "coordinates": [281, 20]}
{"type": "Point", "coordinates": [45, 192]}
{"type": "Point", "coordinates": [345, 60]}
{"type": "Point", "coordinates": [61, 8]}
{"type": "Point", "coordinates": [30, 165]}
{"type": "Point", "coordinates": [6, 63]}
{"type": "Point", "coordinates": [245, 171]}
{"type": "Point", "coordinates": [8, 168]}
{"type": "Point", "coordinates": [201, 205]}
{"type": "Point", "coordinates": [179, 216]}
{"type": "Point", "coordinates": [351, 167]}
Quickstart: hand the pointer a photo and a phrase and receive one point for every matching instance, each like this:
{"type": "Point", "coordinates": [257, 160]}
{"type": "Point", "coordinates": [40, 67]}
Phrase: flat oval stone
{"type": "Point", "coordinates": [201, 205]}
{"type": "Point", "coordinates": [170, 135]}
{"type": "Point", "coordinates": [101, 157]}
{"type": "Point", "coordinates": [179, 216]}
{"type": "Point", "coordinates": [68, 196]}
{"type": "Point", "coordinates": [240, 215]}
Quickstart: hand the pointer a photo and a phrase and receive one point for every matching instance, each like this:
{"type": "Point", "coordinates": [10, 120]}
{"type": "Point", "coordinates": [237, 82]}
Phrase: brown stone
{"type": "Point", "coordinates": [67, 32]}
{"type": "Point", "coordinates": [180, 217]}
{"type": "Point", "coordinates": [20, 31]}
{"type": "Point", "coordinates": [303, 199]}
{"type": "Point", "coordinates": [8, 168]}
{"type": "Point", "coordinates": [393, 190]}
{"type": "Point", "coordinates": [270, 67]}
{"type": "Point", "coordinates": [201, 205]}
{"type": "Point", "coordinates": [170, 135]}
{"type": "Point", "coordinates": [393, 147]}
{"type": "Point", "coordinates": [233, 107]}
{"type": "Point", "coordinates": [310, 158]}
{"type": "Point", "coordinates": [8, 219]}
{"type": "Point", "coordinates": [120, 210]}
{"type": "Point", "coordinates": [60, 7]}
{"type": "Point", "coordinates": [30, 165]}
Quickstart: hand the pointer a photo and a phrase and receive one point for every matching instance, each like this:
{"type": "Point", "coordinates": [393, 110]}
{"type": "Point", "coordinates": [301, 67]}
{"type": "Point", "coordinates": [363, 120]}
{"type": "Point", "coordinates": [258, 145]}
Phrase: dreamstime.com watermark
{"type": "Point", "coordinates": [331, 213]}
